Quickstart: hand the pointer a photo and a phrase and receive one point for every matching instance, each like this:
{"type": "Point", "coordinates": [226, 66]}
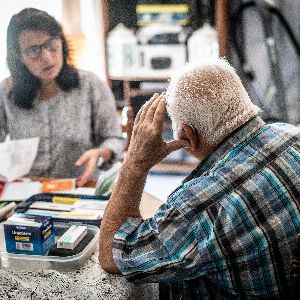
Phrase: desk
{"type": "Point", "coordinates": [87, 283]}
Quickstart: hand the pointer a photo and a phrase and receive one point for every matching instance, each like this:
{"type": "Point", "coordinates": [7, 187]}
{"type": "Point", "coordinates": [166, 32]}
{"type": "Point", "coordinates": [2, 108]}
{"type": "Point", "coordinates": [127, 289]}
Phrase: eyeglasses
{"type": "Point", "coordinates": [35, 51]}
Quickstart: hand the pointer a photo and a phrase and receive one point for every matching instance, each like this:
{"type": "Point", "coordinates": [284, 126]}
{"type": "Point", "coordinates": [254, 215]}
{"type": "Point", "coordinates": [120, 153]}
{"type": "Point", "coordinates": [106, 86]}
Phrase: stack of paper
{"type": "Point", "coordinates": [17, 157]}
{"type": "Point", "coordinates": [68, 208]}
{"type": "Point", "coordinates": [19, 191]}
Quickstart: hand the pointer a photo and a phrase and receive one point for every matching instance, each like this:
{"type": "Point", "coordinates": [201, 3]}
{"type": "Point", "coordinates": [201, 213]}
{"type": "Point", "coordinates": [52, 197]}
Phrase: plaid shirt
{"type": "Point", "coordinates": [229, 228]}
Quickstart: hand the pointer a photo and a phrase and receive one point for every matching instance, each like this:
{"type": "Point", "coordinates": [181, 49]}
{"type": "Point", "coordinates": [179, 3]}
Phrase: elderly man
{"type": "Point", "coordinates": [228, 230]}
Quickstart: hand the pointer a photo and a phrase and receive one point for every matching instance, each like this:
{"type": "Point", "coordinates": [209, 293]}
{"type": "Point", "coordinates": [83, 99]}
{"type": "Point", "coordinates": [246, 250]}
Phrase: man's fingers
{"type": "Point", "coordinates": [159, 114]}
{"type": "Point", "coordinates": [152, 109]}
{"type": "Point", "coordinates": [144, 109]}
{"type": "Point", "coordinates": [137, 117]}
{"type": "Point", "coordinates": [176, 145]}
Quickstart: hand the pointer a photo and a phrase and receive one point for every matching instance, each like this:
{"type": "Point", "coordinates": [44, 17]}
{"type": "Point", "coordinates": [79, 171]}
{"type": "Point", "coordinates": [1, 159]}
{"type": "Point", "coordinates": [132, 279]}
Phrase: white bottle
{"type": "Point", "coordinates": [203, 44]}
{"type": "Point", "coordinates": [122, 51]}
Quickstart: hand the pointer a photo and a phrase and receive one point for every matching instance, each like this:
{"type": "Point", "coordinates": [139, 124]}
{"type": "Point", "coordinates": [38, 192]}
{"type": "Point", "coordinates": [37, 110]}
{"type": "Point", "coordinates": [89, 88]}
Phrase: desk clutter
{"type": "Point", "coordinates": [28, 235]}
{"type": "Point", "coordinates": [52, 230]}
{"type": "Point", "coordinates": [51, 224]}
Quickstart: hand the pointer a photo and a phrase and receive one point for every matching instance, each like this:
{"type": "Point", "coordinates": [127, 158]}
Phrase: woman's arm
{"type": "Point", "coordinates": [106, 129]}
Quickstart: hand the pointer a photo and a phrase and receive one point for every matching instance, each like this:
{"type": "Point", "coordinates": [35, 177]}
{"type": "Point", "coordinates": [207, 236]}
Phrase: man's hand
{"type": "Point", "coordinates": [147, 146]}
{"type": "Point", "coordinates": [90, 160]}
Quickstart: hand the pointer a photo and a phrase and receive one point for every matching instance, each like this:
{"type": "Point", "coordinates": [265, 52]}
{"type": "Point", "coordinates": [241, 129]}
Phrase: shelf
{"type": "Point", "coordinates": [146, 77]}
{"type": "Point", "coordinates": [174, 168]}
{"type": "Point", "coordinates": [138, 92]}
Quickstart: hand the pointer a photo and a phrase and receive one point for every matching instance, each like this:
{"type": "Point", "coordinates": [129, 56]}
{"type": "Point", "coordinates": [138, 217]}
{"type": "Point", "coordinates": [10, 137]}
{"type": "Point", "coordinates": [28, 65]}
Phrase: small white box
{"type": "Point", "coordinates": [72, 237]}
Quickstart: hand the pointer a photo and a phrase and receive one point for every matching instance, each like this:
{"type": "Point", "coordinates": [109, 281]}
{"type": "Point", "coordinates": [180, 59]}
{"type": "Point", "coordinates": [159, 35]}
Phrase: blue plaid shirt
{"type": "Point", "coordinates": [229, 228]}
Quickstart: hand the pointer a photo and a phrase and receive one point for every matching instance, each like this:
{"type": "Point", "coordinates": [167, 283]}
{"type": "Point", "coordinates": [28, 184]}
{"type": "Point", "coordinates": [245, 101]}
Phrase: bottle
{"type": "Point", "coordinates": [122, 51]}
{"type": "Point", "coordinates": [203, 44]}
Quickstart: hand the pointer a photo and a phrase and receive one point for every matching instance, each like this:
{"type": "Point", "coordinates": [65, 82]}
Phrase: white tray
{"type": "Point", "coordinates": [43, 262]}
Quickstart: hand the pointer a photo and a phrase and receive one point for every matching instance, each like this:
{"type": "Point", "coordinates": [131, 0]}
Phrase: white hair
{"type": "Point", "coordinates": [211, 98]}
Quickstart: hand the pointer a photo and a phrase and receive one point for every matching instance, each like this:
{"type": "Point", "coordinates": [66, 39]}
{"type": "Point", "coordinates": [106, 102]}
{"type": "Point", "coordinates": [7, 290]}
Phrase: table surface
{"type": "Point", "coordinates": [90, 282]}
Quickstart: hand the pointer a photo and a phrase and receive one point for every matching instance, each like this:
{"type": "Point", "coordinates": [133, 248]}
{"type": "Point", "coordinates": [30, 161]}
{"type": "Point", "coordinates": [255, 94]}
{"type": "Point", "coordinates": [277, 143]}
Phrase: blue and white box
{"type": "Point", "coordinates": [28, 235]}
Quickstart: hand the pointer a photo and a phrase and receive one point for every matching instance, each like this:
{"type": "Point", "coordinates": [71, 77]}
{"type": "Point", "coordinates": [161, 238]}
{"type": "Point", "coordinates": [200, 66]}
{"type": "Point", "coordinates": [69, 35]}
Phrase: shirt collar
{"type": "Point", "coordinates": [239, 135]}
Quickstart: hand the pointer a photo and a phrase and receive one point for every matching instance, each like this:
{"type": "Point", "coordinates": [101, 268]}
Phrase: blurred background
{"type": "Point", "coordinates": [136, 45]}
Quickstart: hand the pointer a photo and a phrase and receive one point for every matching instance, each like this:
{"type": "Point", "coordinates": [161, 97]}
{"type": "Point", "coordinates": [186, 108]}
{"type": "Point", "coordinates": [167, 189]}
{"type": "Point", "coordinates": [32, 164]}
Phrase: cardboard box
{"type": "Point", "coordinates": [28, 235]}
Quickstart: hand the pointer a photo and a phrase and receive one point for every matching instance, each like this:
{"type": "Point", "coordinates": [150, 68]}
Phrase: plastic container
{"type": "Point", "coordinates": [203, 44]}
{"type": "Point", "coordinates": [44, 262]}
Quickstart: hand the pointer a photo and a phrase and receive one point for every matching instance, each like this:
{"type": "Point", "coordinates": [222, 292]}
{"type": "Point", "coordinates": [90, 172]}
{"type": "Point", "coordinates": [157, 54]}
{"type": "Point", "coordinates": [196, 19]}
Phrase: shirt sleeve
{"type": "Point", "coordinates": [156, 249]}
{"type": "Point", "coordinates": [106, 125]}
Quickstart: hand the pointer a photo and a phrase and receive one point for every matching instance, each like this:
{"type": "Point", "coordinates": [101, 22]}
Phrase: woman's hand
{"type": "Point", "coordinates": [90, 160]}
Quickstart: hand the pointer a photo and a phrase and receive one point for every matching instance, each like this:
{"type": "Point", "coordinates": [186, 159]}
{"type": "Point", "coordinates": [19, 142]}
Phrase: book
{"type": "Point", "coordinates": [67, 185]}
{"type": "Point", "coordinates": [90, 204]}
{"type": "Point", "coordinates": [75, 214]}
{"type": "Point", "coordinates": [50, 206]}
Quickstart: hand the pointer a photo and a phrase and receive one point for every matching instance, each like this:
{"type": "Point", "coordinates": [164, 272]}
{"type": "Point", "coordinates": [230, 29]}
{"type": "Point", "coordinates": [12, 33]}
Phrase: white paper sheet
{"type": "Point", "coordinates": [20, 191]}
{"type": "Point", "coordinates": [17, 157]}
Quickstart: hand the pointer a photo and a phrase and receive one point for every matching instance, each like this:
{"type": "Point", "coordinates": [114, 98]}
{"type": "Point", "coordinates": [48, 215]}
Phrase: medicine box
{"type": "Point", "coordinates": [28, 235]}
{"type": "Point", "coordinates": [72, 237]}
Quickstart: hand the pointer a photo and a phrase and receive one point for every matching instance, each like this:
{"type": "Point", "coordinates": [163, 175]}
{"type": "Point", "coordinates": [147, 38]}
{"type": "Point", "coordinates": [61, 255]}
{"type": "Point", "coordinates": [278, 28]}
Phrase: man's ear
{"type": "Point", "coordinates": [190, 135]}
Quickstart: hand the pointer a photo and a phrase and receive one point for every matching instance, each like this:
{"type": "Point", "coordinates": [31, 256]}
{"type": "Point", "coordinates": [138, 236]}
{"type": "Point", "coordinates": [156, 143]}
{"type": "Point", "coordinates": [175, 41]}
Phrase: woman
{"type": "Point", "coordinates": [72, 111]}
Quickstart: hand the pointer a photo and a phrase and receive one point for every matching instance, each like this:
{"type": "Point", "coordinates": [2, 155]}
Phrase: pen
{"type": "Point", "coordinates": [71, 200]}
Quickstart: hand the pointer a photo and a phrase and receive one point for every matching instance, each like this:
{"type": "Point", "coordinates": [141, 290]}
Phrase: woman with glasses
{"type": "Point", "coordinates": [72, 111]}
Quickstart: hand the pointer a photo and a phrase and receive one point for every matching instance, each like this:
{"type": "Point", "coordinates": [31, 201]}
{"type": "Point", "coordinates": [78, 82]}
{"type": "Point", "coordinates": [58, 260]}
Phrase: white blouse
{"type": "Point", "coordinates": [68, 124]}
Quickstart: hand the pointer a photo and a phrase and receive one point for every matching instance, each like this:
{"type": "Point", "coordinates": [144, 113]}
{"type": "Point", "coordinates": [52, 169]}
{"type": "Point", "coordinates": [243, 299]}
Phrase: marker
{"type": "Point", "coordinates": [64, 200]}
{"type": "Point", "coordinates": [70, 200]}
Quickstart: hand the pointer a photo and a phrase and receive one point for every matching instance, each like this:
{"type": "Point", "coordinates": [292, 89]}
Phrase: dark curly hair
{"type": "Point", "coordinates": [25, 84]}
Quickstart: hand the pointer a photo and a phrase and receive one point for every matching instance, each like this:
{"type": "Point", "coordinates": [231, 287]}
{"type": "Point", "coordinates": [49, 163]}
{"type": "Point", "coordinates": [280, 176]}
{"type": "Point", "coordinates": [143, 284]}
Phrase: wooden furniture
{"type": "Point", "coordinates": [149, 205]}
{"type": "Point", "coordinates": [222, 26]}
{"type": "Point", "coordinates": [131, 92]}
